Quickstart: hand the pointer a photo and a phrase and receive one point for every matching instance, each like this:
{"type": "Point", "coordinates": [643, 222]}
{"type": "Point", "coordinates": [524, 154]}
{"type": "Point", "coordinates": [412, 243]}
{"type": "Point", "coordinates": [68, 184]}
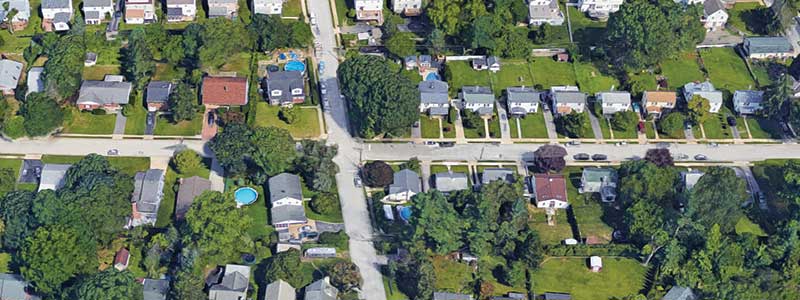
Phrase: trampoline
{"type": "Point", "coordinates": [295, 65]}
{"type": "Point", "coordinates": [245, 196]}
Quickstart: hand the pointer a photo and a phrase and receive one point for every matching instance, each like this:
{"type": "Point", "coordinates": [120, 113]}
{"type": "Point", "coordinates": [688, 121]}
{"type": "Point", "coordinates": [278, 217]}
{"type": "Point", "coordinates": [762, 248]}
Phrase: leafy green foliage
{"type": "Point", "coordinates": [183, 103]}
{"type": "Point", "coordinates": [138, 64]}
{"type": "Point", "coordinates": [698, 109]}
{"type": "Point", "coordinates": [270, 149]}
{"type": "Point", "coordinates": [64, 67]}
{"type": "Point", "coordinates": [7, 181]}
{"type": "Point", "coordinates": [573, 124]}
{"type": "Point", "coordinates": [671, 123]}
{"type": "Point", "coordinates": [110, 285]}
{"type": "Point", "coordinates": [325, 203]}
{"type": "Point", "coordinates": [14, 127]}
{"type": "Point", "coordinates": [624, 120]}
{"type": "Point", "coordinates": [270, 33]}
{"type": "Point", "coordinates": [53, 255]}
{"type": "Point", "coordinates": [402, 44]}
{"type": "Point", "coordinates": [717, 197]}
{"type": "Point", "coordinates": [220, 38]}
{"type": "Point", "coordinates": [187, 161]}
{"type": "Point", "coordinates": [215, 226]}
{"type": "Point", "coordinates": [345, 276]}
{"type": "Point", "coordinates": [286, 266]}
{"type": "Point", "coordinates": [336, 239]}
{"type": "Point", "coordinates": [16, 212]}
{"type": "Point", "coordinates": [436, 222]}
{"type": "Point", "coordinates": [315, 165]}
{"type": "Point", "coordinates": [42, 114]}
{"type": "Point", "coordinates": [288, 114]}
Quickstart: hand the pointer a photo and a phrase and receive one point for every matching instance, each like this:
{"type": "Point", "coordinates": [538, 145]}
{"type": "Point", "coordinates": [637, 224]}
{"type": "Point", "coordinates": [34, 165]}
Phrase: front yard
{"type": "Point", "coordinates": [306, 125]}
{"type": "Point", "coordinates": [533, 125]}
{"type": "Point", "coordinates": [164, 126]}
{"type": "Point", "coordinates": [716, 127]}
{"type": "Point", "coordinates": [78, 122]}
{"type": "Point", "coordinates": [125, 164]}
{"type": "Point", "coordinates": [619, 278]}
{"type": "Point", "coordinates": [761, 128]}
{"type": "Point", "coordinates": [429, 127]}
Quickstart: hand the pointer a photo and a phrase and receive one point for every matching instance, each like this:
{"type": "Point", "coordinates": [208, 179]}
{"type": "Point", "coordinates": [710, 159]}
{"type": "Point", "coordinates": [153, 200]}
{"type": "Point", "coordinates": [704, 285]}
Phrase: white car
{"type": "Point", "coordinates": [313, 19]}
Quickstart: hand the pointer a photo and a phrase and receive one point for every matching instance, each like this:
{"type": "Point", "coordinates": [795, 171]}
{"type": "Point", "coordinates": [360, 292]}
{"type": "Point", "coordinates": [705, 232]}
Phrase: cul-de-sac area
{"type": "Point", "coordinates": [399, 149]}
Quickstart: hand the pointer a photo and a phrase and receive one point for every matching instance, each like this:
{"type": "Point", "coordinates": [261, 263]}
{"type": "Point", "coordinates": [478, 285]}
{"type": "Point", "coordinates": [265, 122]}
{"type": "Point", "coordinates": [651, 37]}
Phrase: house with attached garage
{"type": "Point", "coordinates": [521, 100]}
{"type": "Point", "coordinates": [230, 285]}
{"type": "Point", "coordinates": [52, 177]}
{"type": "Point", "coordinates": [268, 7]}
{"type": "Point", "coordinates": [600, 180]}
{"type": "Point", "coordinates": [20, 20]}
{"type": "Point", "coordinates": [224, 91]}
{"type": "Point", "coordinates": [658, 102]}
{"type": "Point", "coordinates": [747, 102]}
{"type": "Point", "coordinates": [433, 97]}
{"type": "Point", "coordinates": [599, 9]}
{"type": "Point", "coordinates": [614, 102]}
{"type": "Point", "coordinates": [285, 88]}
{"type": "Point", "coordinates": [544, 11]}
{"type": "Point", "coordinates": [447, 182]}
{"type": "Point", "coordinates": [223, 8]}
{"type": "Point", "coordinates": [714, 15]}
{"type": "Point", "coordinates": [567, 99]}
{"type": "Point", "coordinates": [321, 290]}
{"type": "Point", "coordinates": [181, 10]}
{"type": "Point", "coordinates": [763, 47]}
{"type": "Point", "coordinates": [140, 11]}
{"type": "Point", "coordinates": [95, 11]}
{"type": "Point", "coordinates": [56, 15]}
{"type": "Point", "coordinates": [550, 191]}
{"type": "Point", "coordinates": [478, 99]}
{"type": "Point", "coordinates": [494, 174]}
{"type": "Point", "coordinates": [706, 90]}
{"type": "Point", "coordinates": [109, 94]}
{"type": "Point", "coordinates": [407, 8]}
{"type": "Point", "coordinates": [286, 201]}
{"type": "Point", "coordinates": [280, 290]}
{"type": "Point", "coordinates": [369, 10]}
{"type": "Point", "coordinates": [157, 95]}
{"type": "Point", "coordinates": [14, 287]}
{"type": "Point", "coordinates": [405, 184]}
{"type": "Point", "coordinates": [9, 75]}
{"type": "Point", "coordinates": [148, 190]}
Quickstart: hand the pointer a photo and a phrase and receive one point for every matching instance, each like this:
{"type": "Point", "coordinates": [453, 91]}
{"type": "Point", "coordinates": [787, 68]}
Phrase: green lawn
{"type": "Point", "coordinates": [549, 72]}
{"type": "Point", "coordinates": [392, 291]}
{"type": "Point", "coordinates": [512, 73]}
{"type": "Point", "coordinates": [620, 277]}
{"type": "Point", "coordinates": [342, 6]}
{"type": "Point", "coordinates": [727, 69]}
{"type": "Point", "coordinates": [682, 70]}
{"type": "Point", "coordinates": [306, 125]}
{"type": "Point", "coordinates": [258, 212]}
{"type": "Point", "coordinates": [744, 225]}
{"type": "Point", "coordinates": [650, 130]}
{"type": "Point", "coordinates": [588, 211]}
{"type": "Point", "coordinates": [739, 16]}
{"type": "Point", "coordinates": [605, 128]}
{"type": "Point", "coordinates": [460, 73]}
{"type": "Point", "coordinates": [239, 63]}
{"type": "Point", "coordinates": [331, 218]}
{"type": "Point", "coordinates": [452, 276]}
{"type": "Point", "coordinates": [11, 163]}
{"type": "Point", "coordinates": [492, 263]}
{"type": "Point", "coordinates": [677, 134]}
{"type": "Point", "coordinates": [125, 164]}
{"type": "Point", "coordinates": [88, 123]}
{"type": "Point", "coordinates": [18, 41]}
{"type": "Point", "coordinates": [761, 128]}
{"type": "Point", "coordinates": [98, 72]}
{"type": "Point", "coordinates": [494, 126]}
{"type": "Point", "coordinates": [429, 126]}
{"type": "Point", "coordinates": [449, 129]}
{"type": "Point", "coordinates": [550, 235]}
{"type": "Point", "coordinates": [164, 126]}
{"type": "Point", "coordinates": [716, 127]}
{"type": "Point", "coordinates": [591, 80]}
{"type": "Point", "coordinates": [292, 8]}
{"type": "Point", "coordinates": [167, 209]}
{"type": "Point", "coordinates": [761, 72]}
{"type": "Point", "coordinates": [585, 31]}
{"type": "Point", "coordinates": [166, 72]}
{"type": "Point", "coordinates": [137, 118]}
{"type": "Point", "coordinates": [532, 125]}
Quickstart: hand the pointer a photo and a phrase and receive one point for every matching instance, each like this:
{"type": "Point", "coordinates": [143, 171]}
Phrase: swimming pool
{"type": "Point", "coordinates": [295, 65]}
{"type": "Point", "coordinates": [432, 76]}
{"type": "Point", "coordinates": [405, 213]}
{"type": "Point", "coordinates": [245, 196]}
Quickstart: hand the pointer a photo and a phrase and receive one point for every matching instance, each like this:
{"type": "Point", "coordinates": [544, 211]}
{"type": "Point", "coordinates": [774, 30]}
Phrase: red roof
{"type": "Point", "coordinates": [550, 187]}
{"type": "Point", "coordinates": [121, 258]}
{"type": "Point", "coordinates": [225, 90]}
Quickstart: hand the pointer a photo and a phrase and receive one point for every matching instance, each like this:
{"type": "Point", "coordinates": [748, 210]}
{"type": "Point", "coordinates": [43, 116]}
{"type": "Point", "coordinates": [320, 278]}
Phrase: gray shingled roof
{"type": "Point", "coordinates": [598, 174]}
{"type": "Point", "coordinates": [280, 290]}
{"type": "Point", "coordinates": [477, 94]}
{"type": "Point", "coordinates": [12, 287]}
{"type": "Point", "coordinates": [217, 11]}
{"type": "Point", "coordinates": [615, 97]}
{"type": "Point", "coordinates": [56, 3]}
{"type": "Point", "coordinates": [147, 190]}
{"type": "Point", "coordinates": [451, 296]}
{"type": "Point", "coordinates": [570, 97]}
{"type": "Point", "coordinates": [61, 17]}
{"type": "Point", "coordinates": [285, 185]}
{"type": "Point", "coordinates": [155, 289]}
{"type": "Point", "coordinates": [158, 91]}
{"type": "Point", "coordinates": [284, 213]}
{"type": "Point", "coordinates": [712, 6]}
{"type": "Point", "coordinates": [450, 182]}
{"type": "Point", "coordinates": [405, 180]}
{"type": "Point", "coordinates": [104, 92]}
{"type": "Point", "coordinates": [679, 293]}
{"type": "Point", "coordinates": [521, 94]}
{"type": "Point", "coordinates": [703, 89]}
{"type": "Point", "coordinates": [285, 81]}
{"type": "Point", "coordinates": [492, 174]}
{"type": "Point", "coordinates": [53, 176]}
{"type": "Point", "coordinates": [767, 44]}
{"type": "Point", "coordinates": [321, 290]}
{"type": "Point", "coordinates": [97, 3]}
{"type": "Point", "coordinates": [234, 284]}
{"type": "Point", "coordinates": [190, 188]}
{"type": "Point", "coordinates": [9, 73]}
{"type": "Point", "coordinates": [433, 91]}
{"type": "Point", "coordinates": [549, 11]}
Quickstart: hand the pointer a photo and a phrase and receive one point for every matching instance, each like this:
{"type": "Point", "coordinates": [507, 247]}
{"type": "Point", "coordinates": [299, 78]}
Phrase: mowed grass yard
{"type": "Point", "coordinates": [460, 73]}
{"type": "Point", "coordinates": [306, 125]}
{"type": "Point", "coordinates": [532, 125]}
{"type": "Point", "coordinates": [591, 80]}
{"type": "Point", "coordinates": [125, 164]}
{"type": "Point", "coordinates": [549, 72]}
{"type": "Point", "coordinates": [716, 127]}
{"type": "Point", "coordinates": [78, 122]}
{"type": "Point", "coordinates": [166, 211]}
{"type": "Point", "coordinates": [620, 277]}
{"type": "Point", "coordinates": [738, 15]}
{"type": "Point", "coordinates": [761, 128]}
{"type": "Point", "coordinates": [452, 276]}
{"type": "Point", "coordinates": [726, 69]}
{"type": "Point", "coordinates": [682, 69]}
{"type": "Point", "coordinates": [98, 72]}
{"type": "Point", "coordinates": [512, 73]}
{"type": "Point", "coordinates": [164, 126]}
{"type": "Point", "coordinates": [588, 211]}
{"type": "Point", "coordinates": [429, 127]}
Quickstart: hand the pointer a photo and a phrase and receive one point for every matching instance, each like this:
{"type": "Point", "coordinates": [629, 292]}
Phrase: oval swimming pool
{"type": "Point", "coordinates": [295, 65]}
{"type": "Point", "coordinates": [245, 196]}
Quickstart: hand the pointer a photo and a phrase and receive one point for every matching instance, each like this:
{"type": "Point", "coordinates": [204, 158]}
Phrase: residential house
{"type": "Point", "coordinates": [689, 2]}
{"type": "Point", "coordinates": [556, 296]}
{"type": "Point", "coordinates": [321, 290]}
{"type": "Point", "coordinates": [405, 185]}
{"type": "Point", "coordinates": [95, 11]}
{"type": "Point", "coordinates": [544, 11]}
{"type": "Point", "coordinates": [223, 8]}
{"type": "Point", "coordinates": [658, 102]}
{"type": "Point", "coordinates": [479, 63]}
{"type": "Point", "coordinates": [280, 290]}
{"type": "Point", "coordinates": [121, 259]}
{"type": "Point", "coordinates": [14, 287]}
{"type": "Point", "coordinates": [567, 99]}
{"type": "Point", "coordinates": [599, 9]}
{"type": "Point", "coordinates": [433, 97]}
{"type": "Point", "coordinates": [761, 47]}
{"type": "Point", "coordinates": [706, 90]}
{"type": "Point", "coordinates": [614, 102]}
{"type": "Point", "coordinates": [550, 191]}
{"type": "Point", "coordinates": [690, 178]}
{"type": "Point", "coordinates": [181, 10]}
{"type": "Point", "coordinates": [369, 10]}
{"type": "Point", "coordinates": [511, 296]}
{"type": "Point", "coordinates": [35, 80]}
{"type": "Point", "coordinates": [451, 296]}
{"type": "Point", "coordinates": [596, 263]}
{"type": "Point", "coordinates": [447, 182]}
{"type": "Point", "coordinates": [521, 100]}
{"type": "Point", "coordinates": [479, 99]}
{"type": "Point", "coordinates": [410, 62]}
{"type": "Point", "coordinates": [285, 88]}
{"type": "Point", "coordinates": [600, 180]}
{"type": "Point", "coordinates": [233, 286]}
{"type": "Point", "coordinates": [140, 11]}
{"type": "Point", "coordinates": [20, 20]}
{"type": "Point", "coordinates": [493, 62]}
{"type": "Point", "coordinates": [494, 174]}
{"type": "Point", "coordinates": [189, 189]}
{"type": "Point", "coordinates": [680, 293]}
{"type": "Point", "coordinates": [52, 177]}
{"type": "Point", "coordinates": [155, 289]}
{"type": "Point", "coordinates": [268, 7]}
{"type": "Point", "coordinates": [286, 199]}
{"type": "Point", "coordinates": [56, 15]}
{"type": "Point", "coordinates": [224, 91]}
{"type": "Point", "coordinates": [148, 190]}
{"type": "Point", "coordinates": [747, 102]}
{"type": "Point", "coordinates": [109, 94]}
{"type": "Point", "coordinates": [714, 15]}
{"type": "Point", "coordinates": [320, 252]}
{"type": "Point", "coordinates": [9, 75]}
{"type": "Point", "coordinates": [407, 7]}
{"type": "Point", "coordinates": [157, 95]}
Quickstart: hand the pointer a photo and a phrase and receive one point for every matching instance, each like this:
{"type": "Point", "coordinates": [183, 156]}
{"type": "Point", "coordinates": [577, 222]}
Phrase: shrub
{"type": "Point", "coordinates": [14, 127]}
{"type": "Point", "coordinates": [325, 203]}
{"type": "Point", "coordinates": [98, 111]}
{"type": "Point", "coordinates": [377, 174]}
{"type": "Point", "coordinates": [288, 114]}
{"type": "Point", "coordinates": [187, 161]}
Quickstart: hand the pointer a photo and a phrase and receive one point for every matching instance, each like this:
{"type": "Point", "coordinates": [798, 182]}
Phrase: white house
{"type": "Point", "coordinates": [714, 15]}
{"type": "Point", "coordinates": [433, 97]}
{"type": "Point", "coordinates": [268, 7]}
{"type": "Point", "coordinates": [405, 185]}
{"type": "Point", "coordinates": [286, 201]}
{"type": "Point", "coordinates": [762, 47]}
{"type": "Point", "coordinates": [614, 102]}
{"type": "Point", "coordinates": [479, 99]}
{"type": "Point", "coordinates": [407, 7]}
{"type": "Point", "coordinates": [522, 100]}
{"type": "Point", "coordinates": [35, 80]}
{"type": "Point", "coordinates": [140, 11]}
{"type": "Point", "coordinates": [544, 11]}
{"type": "Point", "coordinates": [95, 11]}
{"type": "Point", "coordinates": [10, 72]}
{"type": "Point", "coordinates": [567, 99]}
{"type": "Point", "coordinates": [599, 8]}
{"type": "Point", "coordinates": [706, 90]}
{"type": "Point", "coordinates": [181, 10]}
{"type": "Point", "coordinates": [550, 190]}
{"type": "Point", "coordinates": [56, 15]}
{"type": "Point", "coordinates": [369, 10]}
{"type": "Point", "coordinates": [20, 20]}
{"type": "Point", "coordinates": [747, 102]}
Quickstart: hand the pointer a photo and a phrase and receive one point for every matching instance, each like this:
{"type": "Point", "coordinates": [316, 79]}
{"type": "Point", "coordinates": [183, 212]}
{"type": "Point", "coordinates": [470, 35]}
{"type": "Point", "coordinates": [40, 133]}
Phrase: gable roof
{"type": "Point", "coordinates": [743, 97]}
{"type": "Point", "coordinates": [450, 296]}
{"type": "Point", "coordinates": [492, 174]}
{"type": "Point", "coordinates": [189, 189]}
{"type": "Point", "coordinates": [661, 96]}
{"type": "Point", "coordinates": [234, 283]}
{"type": "Point", "coordinates": [321, 290]}
{"type": "Point", "coordinates": [155, 289]}
{"type": "Point", "coordinates": [450, 181]}
{"type": "Point", "coordinates": [477, 94]}
{"type": "Point", "coordinates": [52, 177]}
{"type": "Point", "coordinates": [104, 92]}
{"type": "Point", "coordinates": [147, 190]}
{"type": "Point", "coordinates": [285, 81]}
{"type": "Point", "coordinates": [12, 287]}
{"type": "Point", "coordinates": [767, 44]}
{"type": "Point", "coordinates": [521, 94]}
{"type": "Point", "coordinates": [550, 187]}
{"type": "Point", "coordinates": [548, 11]}
{"type": "Point", "coordinates": [599, 174]}
{"type": "Point", "coordinates": [679, 293]}
{"type": "Point", "coordinates": [280, 290]}
{"type": "Point", "coordinates": [712, 6]}
{"type": "Point", "coordinates": [51, 4]}
{"type": "Point", "coordinates": [284, 185]}
{"type": "Point", "coordinates": [703, 89]}
{"type": "Point", "coordinates": [405, 180]}
{"type": "Point", "coordinates": [23, 8]}
{"type": "Point", "coordinates": [158, 91]}
{"type": "Point", "coordinates": [97, 3]}
{"type": "Point", "coordinates": [9, 73]}
{"type": "Point", "coordinates": [569, 97]}
{"type": "Point", "coordinates": [225, 90]}
{"type": "Point", "coordinates": [433, 91]}
{"type": "Point", "coordinates": [35, 80]}
{"type": "Point", "coordinates": [287, 213]}
{"type": "Point", "coordinates": [615, 97]}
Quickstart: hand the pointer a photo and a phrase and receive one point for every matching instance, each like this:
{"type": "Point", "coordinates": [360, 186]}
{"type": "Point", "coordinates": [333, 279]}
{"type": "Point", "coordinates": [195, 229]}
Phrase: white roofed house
{"type": "Point", "coordinates": [706, 90]}
{"type": "Point", "coordinates": [95, 11]}
{"type": "Point", "coordinates": [714, 15]}
{"type": "Point", "coordinates": [614, 102]}
{"type": "Point", "coordinates": [56, 15]}
{"type": "Point", "coordinates": [148, 190]}
{"type": "Point", "coordinates": [268, 7]}
{"type": "Point", "coordinates": [406, 184]}
{"type": "Point", "coordinates": [433, 97]}
{"type": "Point", "coordinates": [52, 177]}
{"type": "Point", "coordinates": [35, 80]}
{"type": "Point", "coordinates": [9, 75]}
{"type": "Point", "coordinates": [407, 7]}
{"type": "Point", "coordinates": [447, 182]}
{"type": "Point", "coordinates": [20, 20]}
{"type": "Point", "coordinates": [223, 8]}
{"type": "Point", "coordinates": [232, 285]}
{"type": "Point", "coordinates": [479, 99]}
{"type": "Point", "coordinates": [747, 102]}
{"type": "Point", "coordinates": [544, 11]}
{"type": "Point", "coordinates": [181, 10]}
{"type": "Point", "coordinates": [140, 11]}
{"type": "Point", "coordinates": [599, 9]}
{"type": "Point", "coordinates": [280, 290]}
{"type": "Point", "coordinates": [521, 100]}
{"type": "Point", "coordinates": [369, 10]}
{"type": "Point", "coordinates": [108, 94]}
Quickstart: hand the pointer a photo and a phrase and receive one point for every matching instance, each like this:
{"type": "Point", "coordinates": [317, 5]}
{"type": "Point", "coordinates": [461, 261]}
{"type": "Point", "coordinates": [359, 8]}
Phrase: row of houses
{"type": "Point", "coordinates": [232, 282]}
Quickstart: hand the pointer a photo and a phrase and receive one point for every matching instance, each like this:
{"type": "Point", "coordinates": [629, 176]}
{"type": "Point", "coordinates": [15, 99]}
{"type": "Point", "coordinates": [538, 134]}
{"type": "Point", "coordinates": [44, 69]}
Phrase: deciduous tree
{"type": "Point", "coordinates": [625, 120]}
{"type": "Point", "coordinates": [53, 255]}
{"type": "Point", "coordinates": [717, 198]}
{"type": "Point", "coordinates": [138, 63]}
{"type": "Point", "coordinates": [345, 275]}
{"type": "Point", "coordinates": [187, 161]}
{"type": "Point", "coordinates": [436, 222]}
{"type": "Point", "coordinates": [377, 174]}
{"type": "Point", "coordinates": [287, 267]}
{"type": "Point", "coordinates": [573, 124]}
{"type": "Point", "coordinates": [325, 203]}
{"type": "Point", "coordinates": [110, 285]}
{"type": "Point", "coordinates": [659, 157]}
{"type": "Point", "coordinates": [216, 226]}
{"type": "Point", "coordinates": [183, 103]}
{"type": "Point", "coordinates": [42, 114]}
{"type": "Point", "coordinates": [698, 109]}
{"type": "Point", "coordinates": [549, 158]}
{"type": "Point", "coordinates": [402, 44]}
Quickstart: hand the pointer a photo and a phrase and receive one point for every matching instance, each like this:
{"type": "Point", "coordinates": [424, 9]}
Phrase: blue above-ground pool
{"type": "Point", "coordinates": [405, 213]}
{"type": "Point", "coordinates": [432, 76]}
{"type": "Point", "coordinates": [295, 65]}
{"type": "Point", "coordinates": [245, 196]}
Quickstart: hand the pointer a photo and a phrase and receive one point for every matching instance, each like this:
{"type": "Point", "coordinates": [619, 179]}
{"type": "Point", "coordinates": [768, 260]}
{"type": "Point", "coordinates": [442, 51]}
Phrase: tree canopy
{"type": "Point", "coordinates": [216, 226]}
{"type": "Point", "coordinates": [63, 70]}
{"type": "Point", "coordinates": [698, 109]}
{"type": "Point", "coordinates": [53, 255]}
{"type": "Point", "coordinates": [183, 102]}
{"type": "Point", "coordinates": [717, 198]}
{"type": "Point", "coordinates": [42, 114]}
{"type": "Point", "coordinates": [377, 174]}
{"type": "Point", "coordinates": [271, 150]}
{"type": "Point", "coordinates": [138, 63]}
{"type": "Point", "coordinates": [110, 285]}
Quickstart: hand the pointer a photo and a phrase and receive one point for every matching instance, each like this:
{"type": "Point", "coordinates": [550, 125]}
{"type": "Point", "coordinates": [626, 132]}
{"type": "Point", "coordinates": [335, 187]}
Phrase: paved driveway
{"type": "Point", "coordinates": [595, 121]}
{"type": "Point", "coordinates": [119, 124]}
{"type": "Point", "coordinates": [150, 123]}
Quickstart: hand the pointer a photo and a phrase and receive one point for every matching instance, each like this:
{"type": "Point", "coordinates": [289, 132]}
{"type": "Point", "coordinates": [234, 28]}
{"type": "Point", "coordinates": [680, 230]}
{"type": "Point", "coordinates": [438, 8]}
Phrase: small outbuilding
{"type": "Point", "coordinates": [596, 263]}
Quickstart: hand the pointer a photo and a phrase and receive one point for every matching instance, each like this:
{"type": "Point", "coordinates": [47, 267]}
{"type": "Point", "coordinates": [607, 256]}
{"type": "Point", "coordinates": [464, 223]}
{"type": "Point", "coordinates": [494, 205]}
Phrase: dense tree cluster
{"type": "Point", "coordinates": [315, 165]}
{"type": "Point", "coordinates": [267, 150]}
{"type": "Point", "coordinates": [271, 32]}
{"type": "Point", "coordinates": [377, 174]}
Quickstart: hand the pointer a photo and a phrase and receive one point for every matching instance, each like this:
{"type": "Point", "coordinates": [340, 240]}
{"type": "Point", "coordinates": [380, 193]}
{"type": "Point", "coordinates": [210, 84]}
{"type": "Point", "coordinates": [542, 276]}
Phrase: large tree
{"type": "Point", "coordinates": [109, 285]}
{"type": "Point", "coordinates": [660, 157]}
{"type": "Point", "coordinates": [380, 100]}
{"type": "Point", "coordinates": [436, 222]}
{"type": "Point", "coordinates": [273, 149]}
{"type": "Point", "coordinates": [624, 120]}
{"type": "Point", "coordinates": [645, 180]}
{"type": "Point", "coordinates": [345, 275]}
{"type": "Point", "coordinates": [138, 64]}
{"type": "Point", "coordinates": [216, 226]}
{"type": "Point", "coordinates": [221, 38]}
{"type": "Point", "coordinates": [231, 147]}
{"type": "Point", "coordinates": [573, 124]}
{"type": "Point", "coordinates": [402, 44]}
{"type": "Point", "coordinates": [63, 70]}
{"type": "Point", "coordinates": [445, 15]}
{"type": "Point", "coordinates": [717, 198]}
{"type": "Point", "coordinates": [377, 174]}
{"type": "Point", "coordinates": [42, 114]}
{"type": "Point", "coordinates": [698, 109]}
{"type": "Point", "coordinates": [549, 158]}
{"type": "Point", "coordinates": [315, 164]}
{"type": "Point", "coordinates": [287, 267]}
{"type": "Point", "coordinates": [271, 32]}
{"type": "Point", "coordinates": [16, 211]}
{"type": "Point", "coordinates": [54, 255]}
{"type": "Point", "coordinates": [183, 103]}
{"type": "Point", "coordinates": [671, 123]}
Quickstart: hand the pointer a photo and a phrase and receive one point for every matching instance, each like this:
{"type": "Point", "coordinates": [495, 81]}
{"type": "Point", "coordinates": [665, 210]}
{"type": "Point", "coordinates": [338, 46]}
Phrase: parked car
{"type": "Point", "coordinates": [447, 144]}
{"type": "Point", "coordinates": [416, 124]}
{"type": "Point", "coordinates": [688, 126]}
{"type": "Point", "coordinates": [641, 127]}
{"type": "Point", "coordinates": [210, 118]}
{"type": "Point", "coordinates": [357, 182]}
{"type": "Point", "coordinates": [700, 157]}
{"type": "Point", "coordinates": [313, 19]}
{"type": "Point", "coordinates": [113, 152]}
{"type": "Point", "coordinates": [573, 143]}
{"type": "Point", "coordinates": [731, 120]}
{"type": "Point", "coordinates": [597, 157]}
{"type": "Point", "coordinates": [581, 156]}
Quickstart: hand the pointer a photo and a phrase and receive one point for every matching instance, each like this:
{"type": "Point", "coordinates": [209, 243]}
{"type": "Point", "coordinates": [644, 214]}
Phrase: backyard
{"type": "Point", "coordinates": [589, 212]}
{"type": "Point", "coordinates": [460, 73]}
{"type": "Point", "coordinates": [591, 80]}
{"type": "Point", "coordinates": [171, 178]}
{"type": "Point", "coordinates": [512, 73]}
{"type": "Point", "coordinates": [682, 70]}
{"type": "Point", "coordinates": [742, 17]}
{"type": "Point", "coordinates": [620, 277]}
{"type": "Point", "coordinates": [306, 125]}
{"type": "Point", "coordinates": [726, 69]}
{"type": "Point", "coordinates": [452, 276]}
{"type": "Point", "coordinates": [98, 72]}
{"type": "Point", "coordinates": [548, 72]}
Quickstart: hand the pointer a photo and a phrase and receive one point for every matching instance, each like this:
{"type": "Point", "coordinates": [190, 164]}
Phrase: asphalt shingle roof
{"type": "Point", "coordinates": [104, 92]}
{"type": "Point", "coordinates": [285, 185]}
{"type": "Point", "coordinates": [433, 91]}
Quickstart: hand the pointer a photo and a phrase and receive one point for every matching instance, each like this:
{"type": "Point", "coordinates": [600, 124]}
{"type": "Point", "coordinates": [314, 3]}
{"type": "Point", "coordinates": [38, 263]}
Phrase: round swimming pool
{"type": "Point", "coordinates": [295, 65]}
{"type": "Point", "coordinates": [245, 196]}
{"type": "Point", "coordinates": [432, 76]}
{"type": "Point", "coordinates": [405, 213]}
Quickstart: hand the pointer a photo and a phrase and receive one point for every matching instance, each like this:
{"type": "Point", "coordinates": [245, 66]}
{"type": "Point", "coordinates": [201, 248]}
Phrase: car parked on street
{"type": "Point", "coordinates": [581, 156]}
{"type": "Point", "coordinates": [598, 157]}
{"type": "Point", "coordinates": [357, 182]}
{"type": "Point", "coordinates": [700, 157]}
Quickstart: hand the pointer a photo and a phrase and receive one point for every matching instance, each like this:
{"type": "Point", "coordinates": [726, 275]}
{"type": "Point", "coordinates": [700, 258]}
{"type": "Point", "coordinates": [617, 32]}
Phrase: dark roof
{"type": "Point", "coordinates": [405, 180]}
{"type": "Point", "coordinates": [767, 44]}
{"type": "Point", "coordinates": [492, 174]}
{"type": "Point", "coordinates": [225, 90]}
{"type": "Point", "coordinates": [521, 94]}
{"type": "Point", "coordinates": [284, 81]}
{"type": "Point", "coordinates": [557, 296]}
{"type": "Point", "coordinates": [158, 91]}
{"type": "Point", "coordinates": [433, 91]}
{"type": "Point", "coordinates": [147, 190]}
{"type": "Point", "coordinates": [712, 6]}
{"type": "Point", "coordinates": [285, 185]}
{"type": "Point", "coordinates": [155, 289]}
{"type": "Point", "coordinates": [287, 213]}
{"type": "Point", "coordinates": [550, 187]}
{"type": "Point", "coordinates": [190, 188]}
{"type": "Point", "coordinates": [451, 296]}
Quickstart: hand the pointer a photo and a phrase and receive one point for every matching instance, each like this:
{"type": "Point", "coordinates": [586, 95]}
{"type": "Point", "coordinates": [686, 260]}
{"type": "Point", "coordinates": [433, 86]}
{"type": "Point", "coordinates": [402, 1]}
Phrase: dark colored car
{"type": "Point", "coordinates": [641, 127]}
{"type": "Point", "coordinates": [700, 157]}
{"type": "Point", "coordinates": [731, 121]}
{"type": "Point", "coordinates": [581, 156]}
{"type": "Point", "coordinates": [599, 157]}
{"type": "Point", "coordinates": [447, 144]}
{"type": "Point", "coordinates": [210, 118]}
